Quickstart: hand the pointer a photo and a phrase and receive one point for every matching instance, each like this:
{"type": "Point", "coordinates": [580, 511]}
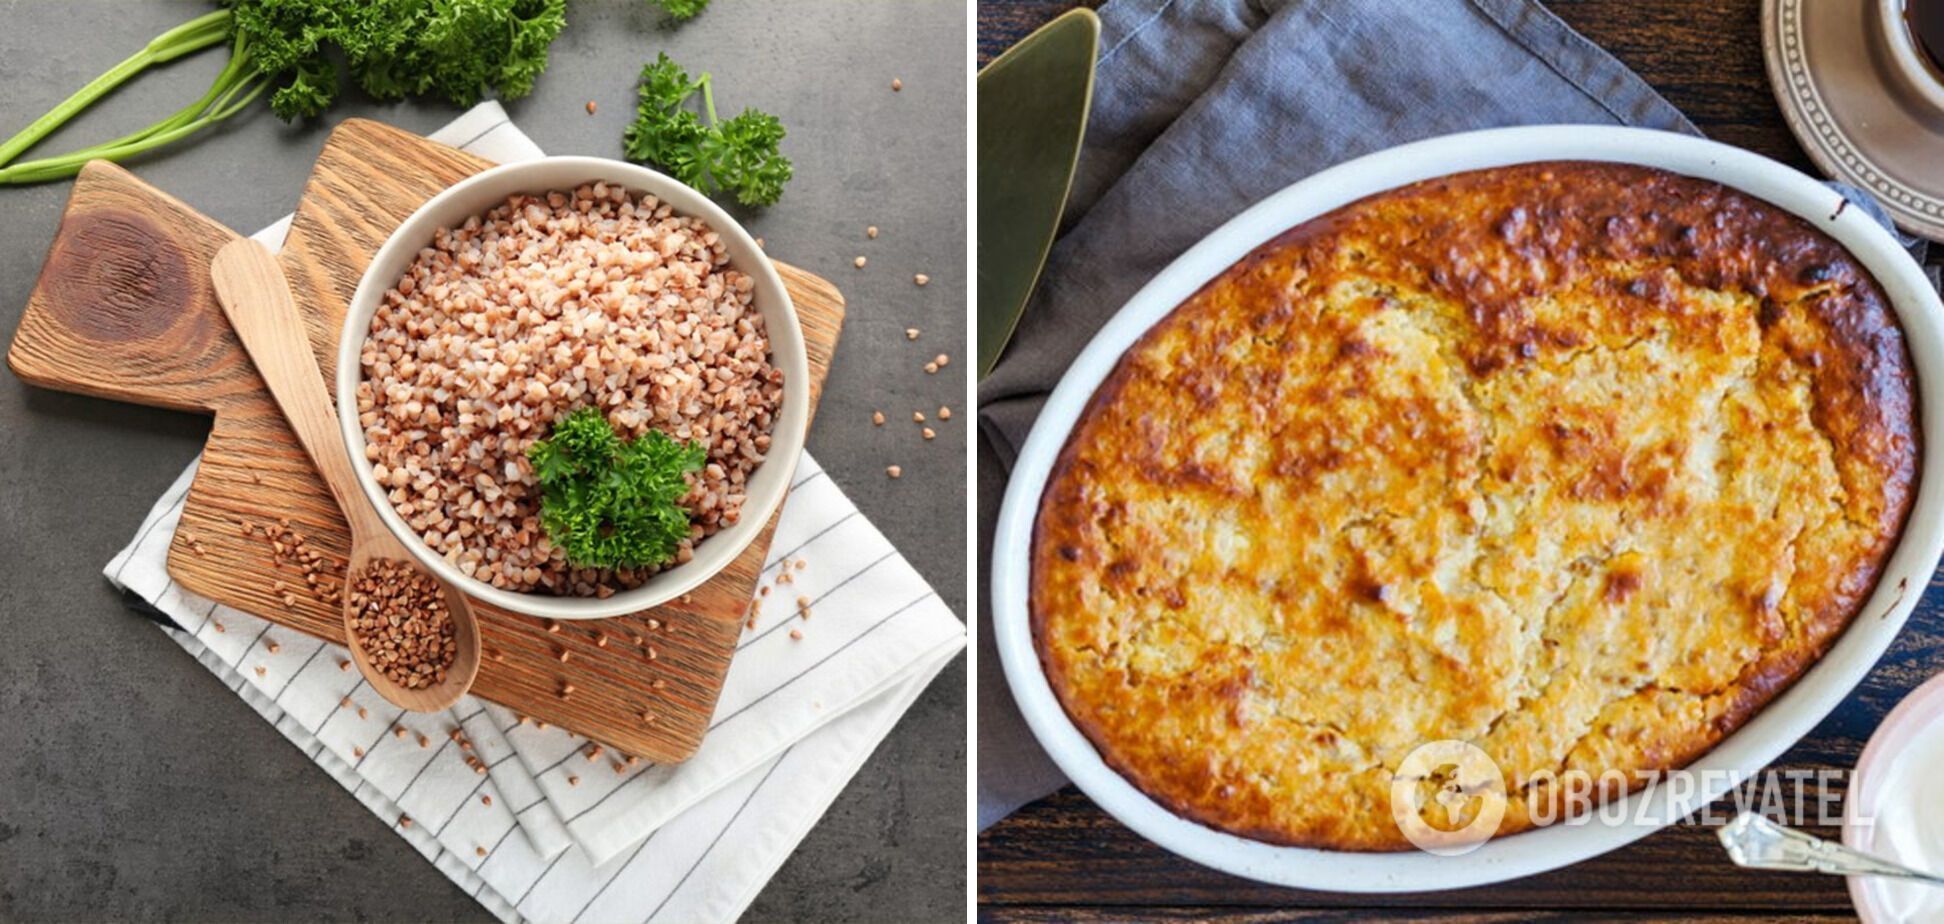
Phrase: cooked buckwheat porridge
{"type": "Point", "coordinates": [547, 304]}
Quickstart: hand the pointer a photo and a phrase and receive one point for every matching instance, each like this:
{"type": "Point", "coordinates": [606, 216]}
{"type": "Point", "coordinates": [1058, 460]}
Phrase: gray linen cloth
{"type": "Point", "coordinates": [1203, 107]}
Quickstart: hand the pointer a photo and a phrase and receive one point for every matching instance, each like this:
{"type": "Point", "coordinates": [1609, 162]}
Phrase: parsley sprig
{"type": "Point", "coordinates": [681, 10]}
{"type": "Point", "coordinates": [607, 502]}
{"type": "Point", "coordinates": [737, 156]}
{"type": "Point", "coordinates": [299, 53]}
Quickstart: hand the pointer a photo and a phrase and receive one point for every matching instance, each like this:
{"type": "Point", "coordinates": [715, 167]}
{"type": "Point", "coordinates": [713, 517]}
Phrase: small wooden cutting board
{"type": "Point", "coordinates": [123, 310]}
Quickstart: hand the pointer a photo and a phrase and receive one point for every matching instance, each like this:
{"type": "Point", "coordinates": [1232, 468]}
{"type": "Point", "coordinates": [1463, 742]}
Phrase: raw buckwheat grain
{"type": "Point", "coordinates": [399, 613]}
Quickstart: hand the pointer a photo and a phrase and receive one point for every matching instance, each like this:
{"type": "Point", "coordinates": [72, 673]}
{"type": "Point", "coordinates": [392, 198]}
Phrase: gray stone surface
{"type": "Point", "coordinates": [132, 785]}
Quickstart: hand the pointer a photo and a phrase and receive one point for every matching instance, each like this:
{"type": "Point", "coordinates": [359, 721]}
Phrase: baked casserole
{"type": "Point", "coordinates": [1581, 463]}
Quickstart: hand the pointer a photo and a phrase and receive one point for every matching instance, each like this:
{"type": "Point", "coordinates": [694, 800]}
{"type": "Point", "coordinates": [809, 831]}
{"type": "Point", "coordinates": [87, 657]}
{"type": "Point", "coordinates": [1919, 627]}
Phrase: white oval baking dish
{"type": "Point", "coordinates": [1750, 748]}
{"type": "Point", "coordinates": [476, 194]}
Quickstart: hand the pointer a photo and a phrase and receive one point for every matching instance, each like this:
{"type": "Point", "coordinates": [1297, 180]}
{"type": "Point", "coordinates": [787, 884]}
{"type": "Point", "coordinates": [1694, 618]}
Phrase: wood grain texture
{"type": "Point", "coordinates": [1064, 859]}
{"type": "Point", "coordinates": [255, 298]}
{"type": "Point", "coordinates": [124, 310]}
{"type": "Point", "coordinates": [125, 276]}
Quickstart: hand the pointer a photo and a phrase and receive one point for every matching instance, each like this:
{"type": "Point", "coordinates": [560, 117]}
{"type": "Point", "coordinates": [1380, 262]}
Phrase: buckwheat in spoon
{"type": "Point", "coordinates": [413, 637]}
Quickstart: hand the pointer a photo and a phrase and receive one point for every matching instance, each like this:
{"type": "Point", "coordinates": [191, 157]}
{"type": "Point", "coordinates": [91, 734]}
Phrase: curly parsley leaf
{"type": "Point", "coordinates": [680, 10]}
{"type": "Point", "coordinates": [458, 50]}
{"type": "Point", "coordinates": [313, 87]}
{"type": "Point", "coordinates": [743, 152]}
{"type": "Point", "coordinates": [608, 502]}
{"type": "Point", "coordinates": [740, 156]}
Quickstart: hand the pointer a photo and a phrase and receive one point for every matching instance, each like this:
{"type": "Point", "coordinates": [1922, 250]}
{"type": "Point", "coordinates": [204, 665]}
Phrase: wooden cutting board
{"type": "Point", "coordinates": [123, 310]}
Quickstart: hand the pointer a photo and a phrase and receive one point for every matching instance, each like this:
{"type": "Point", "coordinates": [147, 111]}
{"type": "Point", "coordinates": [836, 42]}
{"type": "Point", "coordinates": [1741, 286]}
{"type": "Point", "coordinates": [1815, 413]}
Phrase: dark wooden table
{"type": "Point", "coordinates": [1063, 859]}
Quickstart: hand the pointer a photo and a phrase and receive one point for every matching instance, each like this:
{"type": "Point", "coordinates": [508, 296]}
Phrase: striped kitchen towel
{"type": "Point", "coordinates": [548, 834]}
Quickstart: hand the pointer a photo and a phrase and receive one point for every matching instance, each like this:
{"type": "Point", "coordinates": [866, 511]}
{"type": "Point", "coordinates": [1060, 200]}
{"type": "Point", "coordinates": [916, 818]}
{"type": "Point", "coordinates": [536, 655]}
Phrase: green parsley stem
{"type": "Point", "coordinates": [231, 101]}
{"type": "Point", "coordinates": [192, 36]}
{"type": "Point", "coordinates": [708, 98]}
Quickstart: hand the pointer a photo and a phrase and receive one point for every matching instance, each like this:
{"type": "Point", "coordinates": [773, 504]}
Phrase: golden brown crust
{"type": "Point", "coordinates": [1579, 462]}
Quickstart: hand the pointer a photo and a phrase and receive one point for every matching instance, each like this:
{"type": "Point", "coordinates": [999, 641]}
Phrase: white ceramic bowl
{"type": "Point", "coordinates": [1920, 713]}
{"type": "Point", "coordinates": [1754, 745]}
{"type": "Point", "coordinates": [474, 196]}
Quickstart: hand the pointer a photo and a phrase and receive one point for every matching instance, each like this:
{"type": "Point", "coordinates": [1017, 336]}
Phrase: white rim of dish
{"type": "Point", "coordinates": [767, 485]}
{"type": "Point", "coordinates": [1758, 742]}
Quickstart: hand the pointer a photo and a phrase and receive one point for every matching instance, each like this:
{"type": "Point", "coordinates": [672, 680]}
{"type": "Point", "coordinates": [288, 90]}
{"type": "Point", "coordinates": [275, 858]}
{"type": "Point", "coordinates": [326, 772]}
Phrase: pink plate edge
{"type": "Point", "coordinates": [1919, 708]}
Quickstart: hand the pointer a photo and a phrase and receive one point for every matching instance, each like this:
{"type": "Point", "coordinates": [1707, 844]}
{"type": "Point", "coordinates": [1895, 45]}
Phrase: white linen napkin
{"type": "Point", "coordinates": [549, 834]}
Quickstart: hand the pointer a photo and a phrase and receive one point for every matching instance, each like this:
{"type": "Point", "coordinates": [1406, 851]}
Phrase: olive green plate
{"type": "Point", "coordinates": [1032, 113]}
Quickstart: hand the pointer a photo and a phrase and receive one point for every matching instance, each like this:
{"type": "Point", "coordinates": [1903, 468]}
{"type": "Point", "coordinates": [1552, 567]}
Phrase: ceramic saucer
{"type": "Point", "coordinates": [1847, 106]}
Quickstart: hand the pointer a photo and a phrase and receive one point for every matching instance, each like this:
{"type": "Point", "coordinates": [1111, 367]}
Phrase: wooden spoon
{"type": "Point", "coordinates": [256, 298]}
